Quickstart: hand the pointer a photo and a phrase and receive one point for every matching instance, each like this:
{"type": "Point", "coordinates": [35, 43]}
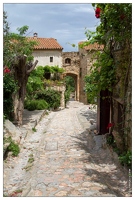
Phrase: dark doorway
{"type": "Point", "coordinates": [103, 113]}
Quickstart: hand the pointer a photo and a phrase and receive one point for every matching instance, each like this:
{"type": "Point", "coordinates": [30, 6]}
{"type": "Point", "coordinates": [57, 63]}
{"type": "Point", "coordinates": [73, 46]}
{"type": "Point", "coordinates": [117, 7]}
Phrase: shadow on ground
{"type": "Point", "coordinates": [89, 114]}
{"type": "Point", "coordinates": [101, 167]}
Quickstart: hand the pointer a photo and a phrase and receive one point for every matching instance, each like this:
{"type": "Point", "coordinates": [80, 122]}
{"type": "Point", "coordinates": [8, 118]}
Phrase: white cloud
{"type": "Point", "coordinates": [65, 22]}
{"type": "Point", "coordinates": [86, 9]}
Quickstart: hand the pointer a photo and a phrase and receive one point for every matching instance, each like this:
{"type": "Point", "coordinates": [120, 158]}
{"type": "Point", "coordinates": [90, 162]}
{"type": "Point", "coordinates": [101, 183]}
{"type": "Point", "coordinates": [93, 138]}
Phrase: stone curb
{"type": "Point", "coordinates": [33, 117]}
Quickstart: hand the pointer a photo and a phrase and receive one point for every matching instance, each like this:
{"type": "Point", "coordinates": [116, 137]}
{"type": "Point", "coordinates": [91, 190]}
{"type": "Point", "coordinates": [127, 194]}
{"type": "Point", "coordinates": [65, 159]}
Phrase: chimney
{"type": "Point", "coordinates": [35, 35]}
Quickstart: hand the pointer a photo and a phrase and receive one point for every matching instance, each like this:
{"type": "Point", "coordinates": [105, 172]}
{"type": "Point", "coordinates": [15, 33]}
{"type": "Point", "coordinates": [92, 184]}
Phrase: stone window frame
{"type": "Point", "coordinates": [67, 61]}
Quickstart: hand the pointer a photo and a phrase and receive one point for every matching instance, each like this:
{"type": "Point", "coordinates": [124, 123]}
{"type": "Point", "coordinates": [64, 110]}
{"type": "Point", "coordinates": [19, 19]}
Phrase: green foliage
{"type": "Point", "coordinates": [31, 158]}
{"type": "Point", "coordinates": [70, 83]}
{"type": "Point", "coordinates": [35, 104]}
{"type": "Point", "coordinates": [67, 96]}
{"type": "Point", "coordinates": [53, 69]}
{"type": "Point", "coordinates": [16, 44]}
{"type": "Point", "coordinates": [14, 148]}
{"type": "Point", "coordinates": [34, 129]}
{"type": "Point", "coordinates": [56, 69]}
{"type": "Point", "coordinates": [48, 69]}
{"type": "Point", "coordinates": [52, 97]}
{"type": "Point", "coordinates": [38, 72]}
{"type": "Point", "coordinates": [126, 158]}
{"type": "Point", "coordinates": [9, 87]}
{"type": "Point", "coordinates": [110, 140]}
{"type": "Point", "coordinates": [6, 37]}
{"type": "Point", "coordinates": [70, 87]}
{"type": "Point", "coordinates": [115, 29]}
{"type": "Point", "coordinates": [35, 82]}
{"type": "Point", "coordinates": [101, 78]}
{"type": "Point", "coordinates": [37, 97]}
{"type": "Point", "coordinates": [7, 140]}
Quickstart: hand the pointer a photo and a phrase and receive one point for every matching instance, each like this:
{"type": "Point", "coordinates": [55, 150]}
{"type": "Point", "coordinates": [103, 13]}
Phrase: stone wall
{"type": "Point", "coordinates": [122, 100]}
{"type": "Point", "coordinates": [83, 72]}
{"type": "Point", "coordinates": [86, 62]}
{"type": "Point", "coordinates": [77, 65]}
{"type": "Point", "coordinates": [71, 62]}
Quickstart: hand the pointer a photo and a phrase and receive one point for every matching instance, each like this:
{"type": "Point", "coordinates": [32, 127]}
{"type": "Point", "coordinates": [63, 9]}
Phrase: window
{"type": "Point", "coordinates": [51, 59]}
{"type": "Point", "coordinates": [67, 60]}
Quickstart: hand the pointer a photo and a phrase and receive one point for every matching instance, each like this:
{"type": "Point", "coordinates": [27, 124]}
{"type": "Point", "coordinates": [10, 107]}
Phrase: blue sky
{"type": "Point", "coordinates": [65, 22]}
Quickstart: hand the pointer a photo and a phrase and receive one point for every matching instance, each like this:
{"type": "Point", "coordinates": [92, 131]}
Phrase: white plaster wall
{"type": "Point", "coordinates": [43, 57]}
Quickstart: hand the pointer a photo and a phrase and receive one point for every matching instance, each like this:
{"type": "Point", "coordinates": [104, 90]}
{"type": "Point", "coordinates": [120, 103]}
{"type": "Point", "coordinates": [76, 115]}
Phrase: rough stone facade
{"type": "Point", "coordinates": [77, 65]}
{"type": "Point", "coordinates": [71, 65]}
{"type": "Point", "coordinates": [86, 62]}
{"type": "Point", "coordinates": [122, 100]}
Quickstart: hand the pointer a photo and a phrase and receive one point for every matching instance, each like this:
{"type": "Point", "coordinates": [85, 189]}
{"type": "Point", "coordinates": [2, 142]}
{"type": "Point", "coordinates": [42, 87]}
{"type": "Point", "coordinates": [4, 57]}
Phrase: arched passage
{"type": "Point", "coordinates": [76, 84]}
{"type": "Point", "coordinates": [70, 87]}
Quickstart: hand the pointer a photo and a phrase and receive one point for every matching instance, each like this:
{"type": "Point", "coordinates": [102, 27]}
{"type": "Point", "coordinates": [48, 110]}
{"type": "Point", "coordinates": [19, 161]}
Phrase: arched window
{"type": "Point", "coordinates": [67, 60]}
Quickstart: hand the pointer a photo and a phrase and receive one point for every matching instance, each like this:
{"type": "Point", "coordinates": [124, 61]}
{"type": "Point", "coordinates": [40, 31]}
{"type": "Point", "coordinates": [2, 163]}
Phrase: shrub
{"type": "Point", "coordinates": [126, 158]}
{"type": "Point", "coordinates": [52, 97]}
{"type": "Point", "coordinates": [34, 84]}
{"type": "Point", "coordinates": [14, 148]}
{"type": "Point", "coordinates": [37, 97]}
{"type": "Point", "coordinates": [67, 96]}
{"type": "Point", "coordinates": [36, 104]}
{"type": "Point", "coordinates": [42, 104]}
{"type": "Point", "coordinates": [9, 86]}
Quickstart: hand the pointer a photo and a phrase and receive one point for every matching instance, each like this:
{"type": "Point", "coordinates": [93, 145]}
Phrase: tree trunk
{"type": "Point", "coordinates": [21, 73]}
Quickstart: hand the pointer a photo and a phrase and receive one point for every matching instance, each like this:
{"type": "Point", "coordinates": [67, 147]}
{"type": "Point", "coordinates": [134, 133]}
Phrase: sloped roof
{"type": "Point", "coordinates": [46, 43]}
{"type": "Point", "coordinates": [90, 47]}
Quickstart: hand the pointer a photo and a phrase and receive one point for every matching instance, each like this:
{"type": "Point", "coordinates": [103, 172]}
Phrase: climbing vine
{"type": "Point", "coordinates": [113, 33]}
{"type": "Point", "coordinates": [112, 65]}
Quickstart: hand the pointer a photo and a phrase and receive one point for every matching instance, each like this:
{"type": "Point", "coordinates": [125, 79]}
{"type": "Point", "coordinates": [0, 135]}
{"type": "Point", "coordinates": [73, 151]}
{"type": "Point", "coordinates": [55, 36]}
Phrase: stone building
{"type": "Point", "coordinates": [77, 65]}
{"type": "Point", "coordinates": [47, 51]}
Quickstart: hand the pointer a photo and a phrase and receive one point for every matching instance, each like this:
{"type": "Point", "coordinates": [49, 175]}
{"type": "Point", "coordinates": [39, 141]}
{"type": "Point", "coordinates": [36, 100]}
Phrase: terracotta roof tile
{"type": "Point", "coordinates": [90, 47]}
{"type": "Point", "coordinates": [46, 43]}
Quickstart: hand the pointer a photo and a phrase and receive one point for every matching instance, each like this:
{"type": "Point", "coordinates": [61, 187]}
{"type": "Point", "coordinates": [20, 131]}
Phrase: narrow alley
{"type": "Point", "coordinates": [67, 161]}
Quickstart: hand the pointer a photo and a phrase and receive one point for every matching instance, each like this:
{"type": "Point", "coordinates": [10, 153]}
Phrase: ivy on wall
{"type": "Point", "coordinates": [112, 64]}
{"type": "Point", "coordinates": [114, 33]}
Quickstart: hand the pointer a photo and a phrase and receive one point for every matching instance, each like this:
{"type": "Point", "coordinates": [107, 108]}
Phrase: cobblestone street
{"type": "Point", "coordinates": [67, 160]}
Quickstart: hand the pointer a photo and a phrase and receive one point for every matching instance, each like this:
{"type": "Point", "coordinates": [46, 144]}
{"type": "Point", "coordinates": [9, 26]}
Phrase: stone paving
{"type": "Point", "coordinates": [67, 160]}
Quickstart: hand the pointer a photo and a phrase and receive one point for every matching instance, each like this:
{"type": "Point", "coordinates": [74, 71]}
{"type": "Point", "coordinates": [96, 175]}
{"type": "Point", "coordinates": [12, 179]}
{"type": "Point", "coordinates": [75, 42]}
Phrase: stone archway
{"type": "Point", "coordinates": [75, 76]}
{"type": "Point", "coordinates": [71, 66]}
